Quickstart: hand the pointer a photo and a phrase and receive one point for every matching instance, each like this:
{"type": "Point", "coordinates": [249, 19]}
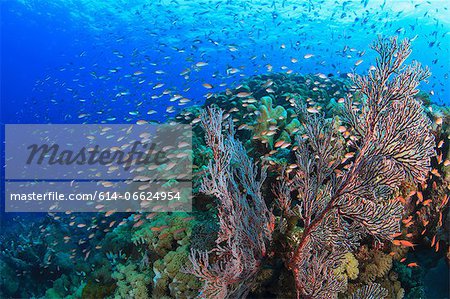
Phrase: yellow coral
{"type": "Point", "coordinates": [131, 282]}
{"type": "Point", "coordinates": [168, 236]}
{"type": "Point", "coordinates": [164, 232]}
{"type": "Point", "coordinates": [349, 267]}
{"type": "Point", "coordinates": [377, 265]}
{"type": "Point", "coordinates": [400, 294]}
{"type": "Point", "coordinates": [169, 277]}
{"type": "Point", "coordinates": [270, 116]}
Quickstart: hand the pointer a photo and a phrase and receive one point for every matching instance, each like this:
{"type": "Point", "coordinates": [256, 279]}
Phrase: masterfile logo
{"type": "Point", "coordinates": [74, 167]}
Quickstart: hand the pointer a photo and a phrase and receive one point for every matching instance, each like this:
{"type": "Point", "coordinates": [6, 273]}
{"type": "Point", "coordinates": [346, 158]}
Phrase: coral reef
{"type": "Point", "coordinates": [274, 125]}
{"type": "Point", "coordinates": [348, 268]}
{"type": "Point", "coordinates": [245, 222]}
{"type": "Point", "coordinates": [344, 183]}
{"type": "Point", "coordinates": [370, 291]}
{"type": "Point", "coordinates": [392, 143]}
{"type": "Point", "coordinates": [163, 233]}
{"type": "Point", "coordinates": [307, 186]}
{"type": "Point", "coordinates": [35, 254]}
{"type": "Point", "coordinates": [170, 278]}
{"type": "Point", "coordinates": [69, 287]}
{"type": "Point", "coordinates": [131, 281]}
{"type": "Point", "coordinates": [94, 290]}
{"type": "Point", "coordinates": [376, 264]}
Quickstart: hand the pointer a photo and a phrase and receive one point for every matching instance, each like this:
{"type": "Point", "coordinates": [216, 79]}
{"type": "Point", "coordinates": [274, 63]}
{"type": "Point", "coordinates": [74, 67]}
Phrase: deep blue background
{"type": "Point", "coordinates": [58, 58]}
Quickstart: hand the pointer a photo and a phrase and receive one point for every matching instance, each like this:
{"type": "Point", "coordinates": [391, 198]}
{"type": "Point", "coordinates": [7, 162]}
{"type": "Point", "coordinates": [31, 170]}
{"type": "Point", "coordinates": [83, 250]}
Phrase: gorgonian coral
{"type": "Point", "coordinates": [392, 143]}
{"type": "Point", "coordinates": [339, 191]}
{"type": "Point", "coordinates": [245, 222]}
{"type": "Point", "coordinates": [370, 291]}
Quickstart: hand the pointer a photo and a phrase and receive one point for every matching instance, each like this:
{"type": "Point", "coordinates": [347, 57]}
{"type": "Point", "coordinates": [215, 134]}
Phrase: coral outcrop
{"type": "Point", "coordinates": [304, 185]}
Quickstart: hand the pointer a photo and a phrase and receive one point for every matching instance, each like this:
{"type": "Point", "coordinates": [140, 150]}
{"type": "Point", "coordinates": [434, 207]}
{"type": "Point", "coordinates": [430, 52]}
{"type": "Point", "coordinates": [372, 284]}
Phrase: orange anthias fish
{"type": "Point", "coordinates": [401, 199]}
{"type": "Point", "coordinates": [403, 243]}
{"type": "Point", "coordinates": [444, 201]}
{"type": "Point", "coordinates": [433, 240]}
{"type": "Point", "coordinates": [419, 196]}
{"type": "Point", "coordinates": [396, 235]}
{"type": "Point", "coordinates": [407, 220]}
{"type": "Point", "coordinates": [139, 223]}
{"type": "Point", "coordinates": [427, 202]}
{"type": "Point", "coordinates": [160, 228]}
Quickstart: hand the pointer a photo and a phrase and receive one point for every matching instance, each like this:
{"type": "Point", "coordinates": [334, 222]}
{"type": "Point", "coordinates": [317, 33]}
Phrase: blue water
{"type": "Point", "coordinates": [63, 59]}
{"type": "Point", "coordinates": [54, 53]}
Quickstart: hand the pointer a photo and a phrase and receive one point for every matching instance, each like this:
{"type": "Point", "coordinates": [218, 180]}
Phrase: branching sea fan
{"type": "Point", "coordinates": [393, 143]}
{"type": "Point", "coordinates": [246, 224]}
{"type": "Point", "coordinates": [341, 190]}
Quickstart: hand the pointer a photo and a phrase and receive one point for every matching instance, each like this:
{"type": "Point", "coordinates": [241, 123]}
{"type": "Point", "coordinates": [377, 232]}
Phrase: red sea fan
{"type": "Point", "coordinates": [246, 224]}
{"type": "Point", "coordinates": [340, 191]}
{"type": "Point", "coordinates": [393, 144]}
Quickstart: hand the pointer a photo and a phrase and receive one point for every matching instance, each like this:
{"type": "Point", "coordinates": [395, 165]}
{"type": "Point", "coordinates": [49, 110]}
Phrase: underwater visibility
{"type": "Point", "coordinates": [225, 149]}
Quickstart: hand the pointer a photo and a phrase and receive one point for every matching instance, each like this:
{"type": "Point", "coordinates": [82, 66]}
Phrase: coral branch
{"type": "Point", "coordinates": [245, 222]}
{"type": "Point", "coordinates": [394, 144]}
{"type": "Point", "coordinates": [371, 291]}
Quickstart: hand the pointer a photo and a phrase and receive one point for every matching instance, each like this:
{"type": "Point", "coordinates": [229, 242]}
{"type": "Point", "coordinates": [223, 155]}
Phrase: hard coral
{"type": "Point", "coordinates": [93, 290]}
{"type": "Point", "coordinates": [164, 232]}
{"type": "Point", "coordinates": [348, 268]}
{"type": "Point", "coordinates": [377, 265]}
{"type": "Point", "coordinates": [131, 281]}
{"type": "Point", "coordinates": [273, 124]}
{"type": "Point", "coordinates": [170, 279]}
